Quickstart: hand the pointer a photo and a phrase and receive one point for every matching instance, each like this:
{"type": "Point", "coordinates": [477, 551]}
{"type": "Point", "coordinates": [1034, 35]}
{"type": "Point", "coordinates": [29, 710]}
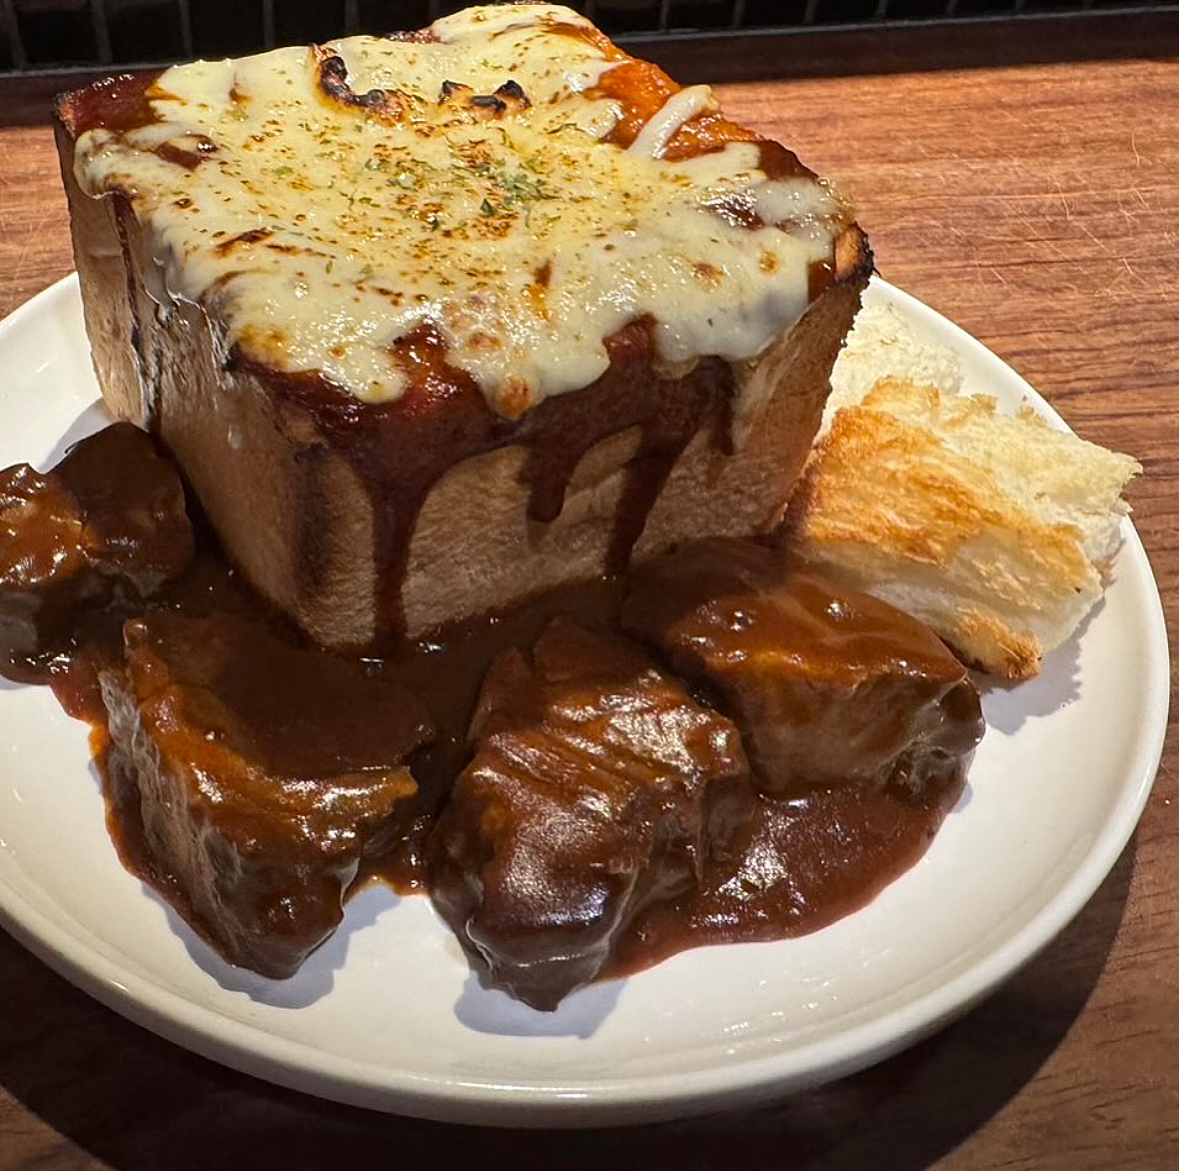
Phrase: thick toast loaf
{"type": "Point", "coordinates": [434, 323]}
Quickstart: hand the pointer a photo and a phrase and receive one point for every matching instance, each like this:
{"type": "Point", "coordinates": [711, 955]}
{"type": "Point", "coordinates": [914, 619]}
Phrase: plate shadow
{"type": "Point", "coordinates": [488, 1010]}
{"type": "Point", "coordinates": [1009, 704]}
{"type": "Point", "coordinates": [314, 980]}
{"type": "Point", "coordinates": [137, 1103]}
{"type": "Point", "coordinates": [92, 419]}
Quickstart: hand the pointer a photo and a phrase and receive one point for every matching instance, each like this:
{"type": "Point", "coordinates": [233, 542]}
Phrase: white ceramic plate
{"type": "Point", "coordinates": [387, 1015]}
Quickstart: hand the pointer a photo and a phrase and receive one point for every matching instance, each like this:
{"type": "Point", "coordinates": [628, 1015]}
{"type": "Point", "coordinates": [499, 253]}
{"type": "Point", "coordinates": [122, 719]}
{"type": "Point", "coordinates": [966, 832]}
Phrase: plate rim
{"type": "Point", "coordinates": [299, 1065]}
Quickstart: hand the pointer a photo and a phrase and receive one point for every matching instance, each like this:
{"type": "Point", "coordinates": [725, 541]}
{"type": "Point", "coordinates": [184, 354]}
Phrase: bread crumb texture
{"type": "Point", "coordinates": [996, 530]}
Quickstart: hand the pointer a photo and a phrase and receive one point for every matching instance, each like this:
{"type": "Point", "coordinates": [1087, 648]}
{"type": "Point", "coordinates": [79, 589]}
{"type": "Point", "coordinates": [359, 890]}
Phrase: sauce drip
{"type": "Point", "coordinates": [443, 419]}
{"type": "Point", "coordinates": [796, 861]}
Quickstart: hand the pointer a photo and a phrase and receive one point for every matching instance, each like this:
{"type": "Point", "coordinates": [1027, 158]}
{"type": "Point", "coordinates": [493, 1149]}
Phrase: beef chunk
{"type": "Point", "coordinates": [251, 777]}
{"type": "Point", "coordinates": [828, 685]}
{"type": "Point", "coordinates": [104, 528]}
{"type": "Point", "coordinates": [598, 786]}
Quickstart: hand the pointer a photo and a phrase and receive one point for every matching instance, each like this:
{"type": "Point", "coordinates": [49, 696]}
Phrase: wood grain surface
{"type": "Point", "coordinates": [1037, 206]}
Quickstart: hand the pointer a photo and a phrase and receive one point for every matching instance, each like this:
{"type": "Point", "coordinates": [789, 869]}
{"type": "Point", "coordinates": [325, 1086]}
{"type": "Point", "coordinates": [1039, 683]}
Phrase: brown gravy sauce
{"type": "Point", "coordinates": [801, 864]}
{"type": "Point", "coordinates": [116, 103]}
{"type": "Point", "coordinates": [807, 862]}
{"type": "Point", "coordinates": [804, 862]}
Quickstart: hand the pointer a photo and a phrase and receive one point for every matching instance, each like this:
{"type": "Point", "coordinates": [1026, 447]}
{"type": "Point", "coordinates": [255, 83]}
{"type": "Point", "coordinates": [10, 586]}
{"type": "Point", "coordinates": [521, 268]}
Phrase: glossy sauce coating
{"type": "Point", "coordinates": [799, 865]}
{"type": "Point", "coordinates": [830, 685]}
{"type": "Point", "coordinates": [118, 103]}
{"type": "Point", "coordinates": [94, 536]}
{"type": "Point", "coordinates": [599, 787]}
{"type": "Point", "coordinates": [858, 721]}
{"type": "Point", "coordinates": [228, 693]}
{"type": "Point", "coordinates": [251, 777]}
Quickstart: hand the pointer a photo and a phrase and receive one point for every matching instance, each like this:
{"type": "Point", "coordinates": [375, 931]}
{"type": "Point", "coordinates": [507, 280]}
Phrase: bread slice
{"type": "Point", "coordinates": [409, 385]}
{"type": "Point", "coordinates": [882, 344]}
{"type": "Point", "coordinates": [994, 530]}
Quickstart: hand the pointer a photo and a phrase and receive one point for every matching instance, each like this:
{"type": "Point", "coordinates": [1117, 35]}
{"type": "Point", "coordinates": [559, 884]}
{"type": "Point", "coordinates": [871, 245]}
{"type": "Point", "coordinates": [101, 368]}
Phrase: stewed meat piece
{"type": "Point", "coordinates": [104, 528]}
{"type": "Point", "coordinates": [598, 786]}
{"type": "Point", "coordinates": [252, 777]}
{"type": "Point", "coordinates": [829, 685]}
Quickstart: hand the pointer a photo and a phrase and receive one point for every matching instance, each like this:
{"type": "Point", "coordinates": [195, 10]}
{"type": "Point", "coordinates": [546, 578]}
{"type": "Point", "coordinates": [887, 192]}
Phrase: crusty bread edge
{"type": "Point", "coordinates": [890, 505]}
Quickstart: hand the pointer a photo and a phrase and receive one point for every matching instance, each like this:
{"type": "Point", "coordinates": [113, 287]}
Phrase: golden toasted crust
{"type": "Point", "coordinates": [992, 529]}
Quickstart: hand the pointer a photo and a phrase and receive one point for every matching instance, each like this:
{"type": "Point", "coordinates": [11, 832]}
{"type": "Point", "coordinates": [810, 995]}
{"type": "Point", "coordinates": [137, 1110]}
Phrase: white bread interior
{"type": "Point", "coordinates": [995, 530]}
{"type": "Point", "coordinates": [882, 344]}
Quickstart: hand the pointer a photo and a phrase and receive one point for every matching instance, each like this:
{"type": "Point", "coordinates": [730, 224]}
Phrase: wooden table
{"type": "Point", "coordinates": [1038, 206]}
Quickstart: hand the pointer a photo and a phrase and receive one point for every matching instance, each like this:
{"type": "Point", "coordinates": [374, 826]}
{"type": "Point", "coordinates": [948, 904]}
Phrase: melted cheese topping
{"type": "Point", "coordinates": [322, 222]}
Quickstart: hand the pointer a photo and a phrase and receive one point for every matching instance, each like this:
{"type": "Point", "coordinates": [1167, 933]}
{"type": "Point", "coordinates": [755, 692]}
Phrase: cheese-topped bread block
{"type": "Point", "coordinates": [432, 322]}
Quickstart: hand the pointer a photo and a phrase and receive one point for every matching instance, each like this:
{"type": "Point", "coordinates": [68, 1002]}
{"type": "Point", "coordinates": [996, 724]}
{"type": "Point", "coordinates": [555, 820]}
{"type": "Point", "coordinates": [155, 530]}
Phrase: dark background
{"type": "Point", "coordinates": [39, 35]}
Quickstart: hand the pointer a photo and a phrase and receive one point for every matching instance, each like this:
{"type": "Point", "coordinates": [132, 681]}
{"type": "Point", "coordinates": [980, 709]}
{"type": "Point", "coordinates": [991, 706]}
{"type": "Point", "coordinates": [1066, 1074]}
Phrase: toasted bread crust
{"type": "Point", "coordinates": [935, 503]}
